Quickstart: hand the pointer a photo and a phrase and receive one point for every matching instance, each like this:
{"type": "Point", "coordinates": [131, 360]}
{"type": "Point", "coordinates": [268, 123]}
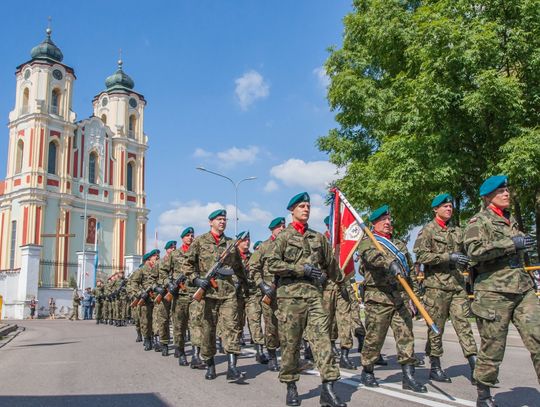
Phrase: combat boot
{"type": "Point", "coordinates": [177, 352]}
{"type": "Point", "coordinates": [436, 373]}
{"type": "Point", "coordinates": [233, 374]}
{"type": "Point", "coordinates": [157, 345]}
{"type": "Point", "coordinates": [328, 397]}
{"type": "Point", "coordinates": [368, 378]}
{"type": "Point", "coordinates": [409, 382]}
{"type": "Point", "coordinates": [196, 362]}
{"type": "Point", "coordinates": [182, 360]}
{"type": "Point", "coordinates": [272, 361]}
{"type": "Point", "coordinates": [484, 396]}
{"type": "Point", "coordinates": [292, 395]}
{"type": "Point", "coordinates": [210, 369]}
{"type": "Point", "coordinates": [139, 337]}
{"type": "Point", "coordinates": [164, 349]}
{"type": "Point", "coordinates": [335, 350]}
{"type": "Point", "coordinates": [219, 346]}
{"type": "Point", "coordinates": [360, 337]}
{"type": "Point", "coordinates": [381, 361]}
{"type": "Point", "coordinates": [344, 361]}
{"type": "Point", "coordinates": [472, 364]}
{"type": "Point", "coordinates": [97, 321]}
{"type": "Point", "coordinates": [147, 344]}
{"type": "Point", "coordinates": [260, 356]}
{"type": "Point", "coordinates": [111, 322]}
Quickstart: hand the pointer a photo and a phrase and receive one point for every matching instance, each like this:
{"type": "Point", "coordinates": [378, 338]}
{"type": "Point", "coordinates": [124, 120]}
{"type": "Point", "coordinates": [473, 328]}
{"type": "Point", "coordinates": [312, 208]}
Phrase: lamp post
{"type": "Point", "coordinates": [235, 184]}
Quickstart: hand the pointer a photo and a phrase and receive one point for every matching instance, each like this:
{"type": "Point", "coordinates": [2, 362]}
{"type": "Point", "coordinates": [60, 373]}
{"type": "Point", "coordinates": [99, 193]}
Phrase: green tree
{"type": "Point", "coordinates": [434, 96]}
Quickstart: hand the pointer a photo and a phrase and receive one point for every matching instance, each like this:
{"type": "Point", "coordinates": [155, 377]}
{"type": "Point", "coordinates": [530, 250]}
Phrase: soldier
{"type": "Point", "coordinates": [97, 292]}
{"type": "Point", "coordinates": [384, 305]}
{"type": "Point", "coordinates": [161, 313]}
{"type": "Point", "coordinates": [258, 268]}
{"type": "Point", "coordinates": [220, 304]}
{"type": "Point", "coordinates": [141, 285]}
{"type": "Point", "coordinates": [106, 300]}
{"type": "Point", "coordinates": [503, 290]}
{"type": "Point", "coordinates": [357, 326]}
{"type": "Point", "coordinates": [303, 260]}
{"type": "Point", "coordinates": [75, 302]}
{"type": "Point", "coordinates": [439, 247]}
{"type": "Point", "coordinates": [135, 309]}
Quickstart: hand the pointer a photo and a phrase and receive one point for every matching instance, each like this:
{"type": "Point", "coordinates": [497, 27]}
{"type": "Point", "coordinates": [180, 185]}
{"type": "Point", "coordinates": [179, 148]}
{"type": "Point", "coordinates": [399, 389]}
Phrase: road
{"type": "Point", "coordinates": [65, 363]}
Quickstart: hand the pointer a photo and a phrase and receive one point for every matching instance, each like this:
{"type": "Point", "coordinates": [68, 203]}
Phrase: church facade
{"type": "Point", "coordinates": [74, 189]}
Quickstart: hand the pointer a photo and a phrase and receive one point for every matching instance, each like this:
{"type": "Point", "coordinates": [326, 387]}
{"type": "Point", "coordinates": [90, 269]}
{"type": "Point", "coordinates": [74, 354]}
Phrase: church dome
{"type": "Point", "coordinates": [119, 79]}
{"type": "Point", "coordinates": [47, 50]}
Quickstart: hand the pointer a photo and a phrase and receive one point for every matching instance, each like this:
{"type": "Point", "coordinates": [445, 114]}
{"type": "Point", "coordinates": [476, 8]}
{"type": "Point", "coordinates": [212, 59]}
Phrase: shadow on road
{"type": "Point", "coordinates": [83, 400]}
{"type": "Point", "coordinates": [527, 396]}
{"type": "Point", "coordinates": [46, 344]}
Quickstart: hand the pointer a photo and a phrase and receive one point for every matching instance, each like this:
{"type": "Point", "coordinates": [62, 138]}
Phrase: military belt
{"type": "Point", "coordinates": [513, 262]}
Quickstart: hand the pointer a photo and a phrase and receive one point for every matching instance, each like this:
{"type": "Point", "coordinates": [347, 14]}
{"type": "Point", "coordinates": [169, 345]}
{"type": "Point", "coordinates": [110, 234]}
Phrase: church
{"type": "Point", "coordinates": [72, 205]}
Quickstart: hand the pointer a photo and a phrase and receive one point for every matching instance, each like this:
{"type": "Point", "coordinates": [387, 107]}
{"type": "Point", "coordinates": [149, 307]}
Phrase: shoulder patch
{"type": "Point", "coordinates": [473, 220]}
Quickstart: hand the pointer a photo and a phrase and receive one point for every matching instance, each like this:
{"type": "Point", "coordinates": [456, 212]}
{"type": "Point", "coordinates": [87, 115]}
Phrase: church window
{"type": "Point", "coordinates": [51, 167]}
{"type": "Point", "coordinates": [26, 98]}
{"type": "Point", "coordinates": [92, 166]}
{"type": "Point", "coordinates": [75, 139]}
{"type": "Point", "coordinates": [129, 173]}
{"type": "Point", "coordinates": [13, 244]}
{"type": "Point", "coordinates": [55, 101]}
{"type": "Point", "coordinates": [104, 118]}
{"type": "Point", "coordinates": [132, 124]}
{"type": "Point", "coordinates": [20, 154]}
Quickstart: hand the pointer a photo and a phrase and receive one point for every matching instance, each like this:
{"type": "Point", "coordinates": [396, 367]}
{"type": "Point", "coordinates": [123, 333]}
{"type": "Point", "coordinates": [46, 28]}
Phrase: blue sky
{"type": "Point", "coordinates": [236, 87]}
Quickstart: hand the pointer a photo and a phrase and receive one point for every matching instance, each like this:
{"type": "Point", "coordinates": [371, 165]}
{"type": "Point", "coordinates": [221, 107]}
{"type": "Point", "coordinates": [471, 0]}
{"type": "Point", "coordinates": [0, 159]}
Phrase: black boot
{"type": "Point", "coordinates": [139, 337]}
{"type": "Point", "coordinates": [344, 361]}
{"type": "Point", "coordinates": [157, 345]}
{"type": "Point", "coordinates": [436, 373]}
{"type": "Point", "coordinates": [233, 374]}
{"type": "Point", "coordinates": [147, 343]}
{"type": "Point", "coordinates": [292, 395]}
{"type": "Point", "coordinates": [360, 338]}
{"type": "Point", "coordinates": [111, 322]}
{"type": "Point", "coordinates": [335, 350]}
{"type": "Point", "coordinates": [164, 349]}
{"type": "Point", "coordinates": [484, 396]}
{"type": "Point", "coordinates": [368, 378]}
{"type": "Point", "coordinates": [272, 361]}
{"type": "Point", "coordinates": [219, 346]}
{"type": "Point", "coordinates": [409, 382]}
{"type": "Point", "coordinates": [97, 321]}
{"type": "Point", "coordinates": [196, 362]}
{"type": "Point", "coordinates": [260, 356]}
{"type": "Point", "coordinates": [115, 322]}
{"type": "Point", "coordinates": [176, 352]}
{"type": "Point", "coordinates": [381, 361]}
{"type": "Point", "coordinates": [210, 369]}
{"type": "Point", "coordinates": [472, 364]}
{"type": "Point", "coordinates": [328, 397]}
{"type": "Point", "coordinates": [182, 360]}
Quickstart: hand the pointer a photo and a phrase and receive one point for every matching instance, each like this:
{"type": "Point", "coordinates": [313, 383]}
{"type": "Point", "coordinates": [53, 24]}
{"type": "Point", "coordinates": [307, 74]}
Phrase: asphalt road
{"type": "Point", "coordinates": [65, 363]}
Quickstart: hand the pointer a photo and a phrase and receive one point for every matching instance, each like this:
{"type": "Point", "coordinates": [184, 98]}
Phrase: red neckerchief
{"type": "Point", "coordinates": [386, 235]}
{"type": "Point", "coordinates": [217, 238]}
{"type": "Point", "coordinates": [243, 255]}
{"type": "Point", "coordinates": [498, 211]}
{"type": "Point", "coordinates": [272, 238]}
{"type": "Point", "coordinates": [441, 222]}
{"type": "Point", "coordinates": [300, 227]}
{"type": "Point", "coordinates": [327, 234]}
{"type": "Point", "coordinates": [185, 247]}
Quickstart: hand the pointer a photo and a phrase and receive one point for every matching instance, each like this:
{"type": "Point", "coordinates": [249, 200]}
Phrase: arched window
{"type": "Point", "coordinates": [129, 173]}
{"type": "Point", "coordinates": [132, 124]}
{"type": "Point", "coordinates": [104, 118]}
{"type": "Point", "coordinates": [55, 101]}
{"type": "Point", "coordinates": [20, 154]}
{"type": "Point", "coordinates": [51, 167]}
{"type": "Point", "coordinates": [92, 168]}
{"type": "Point", "coordinates": [26, 98]}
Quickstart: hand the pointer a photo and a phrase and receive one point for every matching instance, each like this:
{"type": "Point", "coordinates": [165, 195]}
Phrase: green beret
{"type": "Point", "coordinates": [492, 183]}
{"type": "Point", "coordinates": [242, 235]}
{"type": "Point", "coordinates": [301, 197]}
{"type": "Point", "coordinates": [187, 231]}
{"type": "Point", "coordinates": [150, 254]}
{"type": "Point", "coordinates": [216, 213]}
{"type": "Point", "coordinates": [377, 213]}
{"type": "Point", "coordinates": [327, 220]}
{"type": "Point", "coordinates": [276, 222]}
{"type": "Point", "coordinates": [257, 244]}
{"type": "Point", "coordinates": [170, 244]}
{"type": "Point", "coordinates": [441, 199]}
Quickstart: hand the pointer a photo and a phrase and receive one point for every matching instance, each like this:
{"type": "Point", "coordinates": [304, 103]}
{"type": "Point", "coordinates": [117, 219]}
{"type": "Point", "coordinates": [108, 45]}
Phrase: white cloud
{"type": "Point", "coordinates": [312, 175]}
{"type": "Point", "coordinates": [322, 77]}
{"type": "Point", "coordinates": [230, 157]}
{"type": "Point", "coordinates": [250, 87]}
{"type": "Point", "coordinates": [271, 186]}
{"type": "Point", "coordinates": [201, 153]}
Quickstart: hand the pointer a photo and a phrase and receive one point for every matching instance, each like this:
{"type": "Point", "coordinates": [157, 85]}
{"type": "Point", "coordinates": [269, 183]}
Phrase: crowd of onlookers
{"type": "Point", "coordinates": [87, 300]}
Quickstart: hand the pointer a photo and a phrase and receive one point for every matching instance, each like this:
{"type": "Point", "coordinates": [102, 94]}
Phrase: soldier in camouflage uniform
{"type": "Point", "coordinates": [162, 309]}
{"type": "Point", "coordinates": [384, 304]}
{"type": "Point", "coordinates": [357, 326]}
{"type": "Point", "coordinates": [98, 293]}
{"type": "Point", "coordinates": [108, 306]}
{"type": "Point", "coordinates": [119, 299]}
{"type": "Point", "coordinates": [134, 309]}
{"type": "Point", "coordinates": [141, 285]}
{"type": "Point", "coordinates": [220, 304]}
{"type": "Point", "coordinates": [503, 290]}
{"type": "Point", "coordinates": [75, 302]}
{"type": "Point", "coordinates": [439, 247]}
{"type": "Point", "coordinates": [303, 260]}
{"type": "Point", "coordinates": [266, 282]}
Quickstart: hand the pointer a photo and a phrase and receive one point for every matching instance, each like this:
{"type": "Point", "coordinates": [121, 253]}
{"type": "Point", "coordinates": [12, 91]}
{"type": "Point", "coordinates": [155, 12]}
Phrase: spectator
{"type": "Point", "coordinates": [87, 301]}
{"type": "Point", "coordinates": [52, 308]}
{"type": "Point", "coordinates": [33, 305]}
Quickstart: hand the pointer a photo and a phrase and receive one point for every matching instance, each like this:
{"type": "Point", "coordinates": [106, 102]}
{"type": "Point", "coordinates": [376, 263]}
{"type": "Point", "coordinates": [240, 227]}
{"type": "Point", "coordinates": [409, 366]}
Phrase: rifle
{"type": "Point", "coordinates": [142, 300]}
{"type": "Point", "coordinates": [267, 299]}
{"type": "Point", "coordinates": [161, 293]}
{"type": "Point", "coordinates": [175, 286]}
{"type": "Point", "coordinates": [216, 269]}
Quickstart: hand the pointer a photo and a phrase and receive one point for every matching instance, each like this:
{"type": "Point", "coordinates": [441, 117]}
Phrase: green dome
{"type": "Point", "coordinates": [119, 79]}
{"type": "Point", "coordinates": [47, 50]}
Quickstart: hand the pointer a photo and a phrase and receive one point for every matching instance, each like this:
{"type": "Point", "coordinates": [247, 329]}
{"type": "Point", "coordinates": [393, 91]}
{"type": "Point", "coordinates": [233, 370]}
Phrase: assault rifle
{"type": "Point", "coordinates": [268, 299]}
{"type": "Point", "coordinates": [217, 268]}
{"type": "Point", "coordinates": [175, 286]}
{"type": "Point", "coordinates": [141, 299]}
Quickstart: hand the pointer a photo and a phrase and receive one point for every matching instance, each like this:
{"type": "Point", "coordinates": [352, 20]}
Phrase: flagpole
{"type": "Point", "coordinates": [83, 276]}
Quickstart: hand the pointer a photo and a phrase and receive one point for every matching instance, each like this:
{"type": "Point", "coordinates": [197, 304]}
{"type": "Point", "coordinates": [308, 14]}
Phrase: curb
{"type": "Point", "coordinates": [8, 329]}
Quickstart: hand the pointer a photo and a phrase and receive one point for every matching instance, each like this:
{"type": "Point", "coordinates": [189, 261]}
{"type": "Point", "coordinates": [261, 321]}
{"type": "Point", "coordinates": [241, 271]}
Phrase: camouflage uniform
{"type": "Point", "coordinates": [98, 293]}
{"type": "Point", "coordinates": [445, 295]}
{"type": "Point", "coordinates": [299, 300]}
{"type": "Point", "coordinates": [141, 279]}
{"type": "Point", "coordinates": [357, 326]}
{"type": "Point", "coordinates": [107, 315]}
{"type": "Point", "coordinates": [253, 308]}
{"type": "Point", "coordinates": [135, 314]}
{"type": "Point", "coordinates": [219, 305]}
{"type": "Point", "coordinates": [384, 305]}
{"type": "Point", "coordinates": [161, 313]}
{"type": "Point", "coordinates": [76, 301]}
{"type": "Point", "coordinates": [338, 309]}
{"type": "Point", "coordinates": [503, 293]}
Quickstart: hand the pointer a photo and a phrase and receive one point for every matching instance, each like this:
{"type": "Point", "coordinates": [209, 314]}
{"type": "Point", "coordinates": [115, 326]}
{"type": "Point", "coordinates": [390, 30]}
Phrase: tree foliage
{"type": "Point", "coordinates": [434, 96]}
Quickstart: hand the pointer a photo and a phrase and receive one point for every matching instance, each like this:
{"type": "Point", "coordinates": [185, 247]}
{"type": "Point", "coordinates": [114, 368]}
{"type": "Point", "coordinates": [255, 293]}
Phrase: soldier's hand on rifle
{"type": "Point", "coordinates": [201, 283]}
{"type": "Point", "coordinates": [460, 259]}
{"type": "Point", "coordinates": [160, 290]}
{"type": "Point", "coordinates": [171, 287]}
{"type": "Point", "coordinates": [267, 289]}
{"type": "Point", "coordinates": [396, 269]}
{"type": "Point", "coordinates": [523, 242]}
{"type": "Point", "coordinates": [143, 295]}
{"type": "Point", "coordinates": [312, 272]}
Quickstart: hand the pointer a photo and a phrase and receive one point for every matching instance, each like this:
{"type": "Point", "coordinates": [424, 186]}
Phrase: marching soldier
{"type": "Point", "coordinates": [266, 282]}
{"type": "Point", "coordinates": [97, 292]}
{"type": "Point", "coordinates": [135, 310]}
{"type": "Point", "coordinates": [220, 304]}
{"type": "Point", "coordinates": [303, 260]}
{"type": "Point", "coordinates": [107, 301]}
{"type": "Point", "coordinates": [384, 304]}
{"type": "Point", "coordinates": [161, 314]}
{"type": "Point", "coordinates": [503, 290]}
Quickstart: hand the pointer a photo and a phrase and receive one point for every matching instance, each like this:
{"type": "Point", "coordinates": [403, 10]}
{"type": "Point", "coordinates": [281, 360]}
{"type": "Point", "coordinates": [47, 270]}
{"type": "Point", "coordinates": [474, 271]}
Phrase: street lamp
{"type": "Point", "coordinates": [235, 184]}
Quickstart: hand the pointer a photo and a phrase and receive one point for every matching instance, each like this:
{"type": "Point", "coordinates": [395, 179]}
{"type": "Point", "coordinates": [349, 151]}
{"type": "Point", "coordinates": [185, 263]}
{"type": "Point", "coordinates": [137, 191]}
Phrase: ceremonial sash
{"type": "Point", "coordinates": [395, 251]}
